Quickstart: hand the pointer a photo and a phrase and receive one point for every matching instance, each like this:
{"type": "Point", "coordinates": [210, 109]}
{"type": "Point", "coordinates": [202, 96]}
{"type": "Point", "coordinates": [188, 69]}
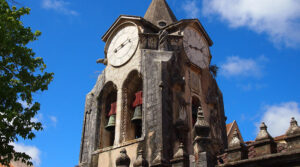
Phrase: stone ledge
{"type": "Point", "coordinates": [290, 156]}
{"type": "Point", "coordinates": [127, 143]}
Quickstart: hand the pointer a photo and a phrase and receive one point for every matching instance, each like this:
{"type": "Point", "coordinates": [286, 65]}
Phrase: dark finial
{"type": "Point", "coordinates": [263, 126]}
{"type": "Point", "coordinates": [123, 159]}
{"type": "Point", "coordinates": [294, 122]}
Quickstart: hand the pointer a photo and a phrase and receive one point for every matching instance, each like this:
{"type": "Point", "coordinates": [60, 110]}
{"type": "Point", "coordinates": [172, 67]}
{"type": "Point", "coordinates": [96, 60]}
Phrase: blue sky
{"type": "Point", "coordinates": [256, 46]}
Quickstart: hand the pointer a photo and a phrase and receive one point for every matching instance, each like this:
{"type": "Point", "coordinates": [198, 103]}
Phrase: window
{"type": "Point", "coordinates": [195, 105]}
{"type": "Point", "coordinates": [132, 106]}
{"type": "Point", "coordinates": [107, 115]}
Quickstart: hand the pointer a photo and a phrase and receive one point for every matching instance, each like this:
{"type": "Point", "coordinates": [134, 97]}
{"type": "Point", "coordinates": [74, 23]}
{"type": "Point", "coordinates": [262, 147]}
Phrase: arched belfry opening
{"type": "Point", "coordinates": [107, 114]}
{"type": "Point", "coordinates": [132, 106]}
{"type": "Point", "coordinates": [195, 105]}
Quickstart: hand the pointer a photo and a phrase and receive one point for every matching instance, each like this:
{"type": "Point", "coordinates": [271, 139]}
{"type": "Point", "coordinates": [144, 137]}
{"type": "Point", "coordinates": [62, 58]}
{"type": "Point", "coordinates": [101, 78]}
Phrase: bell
{"type": "Point", "coordinates": [111, 123]}
{"type": "Point", "coordinates": [137, 115]}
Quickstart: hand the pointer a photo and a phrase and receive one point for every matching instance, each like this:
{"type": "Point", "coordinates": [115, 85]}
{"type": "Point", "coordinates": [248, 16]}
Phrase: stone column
{"type": "Point", "coordinates": [202, 141]}
{"type": "Point", "coordinates": [118, 117]}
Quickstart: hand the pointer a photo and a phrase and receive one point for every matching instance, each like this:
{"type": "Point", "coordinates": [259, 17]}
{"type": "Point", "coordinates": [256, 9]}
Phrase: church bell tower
{"type": "Point", "coordinates": [156, 103]}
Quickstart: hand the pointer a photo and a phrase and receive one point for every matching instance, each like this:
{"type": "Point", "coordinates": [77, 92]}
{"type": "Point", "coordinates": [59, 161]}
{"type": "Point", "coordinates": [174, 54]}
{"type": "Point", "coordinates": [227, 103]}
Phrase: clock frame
{"type": "Point", "coordinates": [122, 44]}
{"type": "Point", "coordinates": [196, 47]}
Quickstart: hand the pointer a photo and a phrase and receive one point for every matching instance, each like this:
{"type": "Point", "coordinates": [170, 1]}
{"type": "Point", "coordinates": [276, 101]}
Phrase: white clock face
{"type": "Point", "coordinates": [196, 47]}
{"type": "Point", "coordinates": [123, 45]}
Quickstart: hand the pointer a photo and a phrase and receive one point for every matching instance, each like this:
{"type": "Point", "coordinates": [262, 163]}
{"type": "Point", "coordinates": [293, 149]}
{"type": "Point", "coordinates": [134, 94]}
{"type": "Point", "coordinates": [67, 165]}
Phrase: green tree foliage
{"type": "Point", "coordinates": [214, 70]}
{"type": "Point", "coordinates": [21, 75]}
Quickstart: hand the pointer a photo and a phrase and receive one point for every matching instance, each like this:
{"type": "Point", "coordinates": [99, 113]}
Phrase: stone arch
{"type": "Point", "coordinates": [131, 85]}
{"type": "Point", "coordinates": [107, 96]}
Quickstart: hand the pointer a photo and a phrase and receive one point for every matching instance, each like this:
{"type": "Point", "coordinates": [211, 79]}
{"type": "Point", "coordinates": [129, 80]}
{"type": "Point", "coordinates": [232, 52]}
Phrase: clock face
{"type": "Point", "coordinates": [123, 45]}
{"type": "Point", "coordinates": [196, 47]}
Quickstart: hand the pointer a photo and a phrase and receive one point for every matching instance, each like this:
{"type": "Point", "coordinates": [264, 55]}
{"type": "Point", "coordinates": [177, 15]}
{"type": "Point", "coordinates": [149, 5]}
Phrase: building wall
{"type": "Point", "coordinates": [169, 83]}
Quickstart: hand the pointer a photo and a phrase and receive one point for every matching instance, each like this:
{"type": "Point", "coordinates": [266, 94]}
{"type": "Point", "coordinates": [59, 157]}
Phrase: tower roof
{"type": "Point", "coordinates": [159, 13]}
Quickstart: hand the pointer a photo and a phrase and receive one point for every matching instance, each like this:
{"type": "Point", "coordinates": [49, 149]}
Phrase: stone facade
{"type": "Point", "coordinates": [182, 112]}
{"type": "Point", "coordinates": [171, 87]}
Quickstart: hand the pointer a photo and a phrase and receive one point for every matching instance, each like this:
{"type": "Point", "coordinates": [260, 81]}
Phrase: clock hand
{"type": "Point", "coordinates": [194, 47]}
{"type": "Point", "coordinates": [126, 42]}
{"type": "Point", "coordinates": [121, 46]}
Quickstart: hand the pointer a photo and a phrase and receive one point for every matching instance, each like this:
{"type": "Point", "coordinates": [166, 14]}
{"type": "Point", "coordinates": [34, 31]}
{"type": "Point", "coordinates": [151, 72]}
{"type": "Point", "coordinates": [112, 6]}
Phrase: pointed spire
{"type": "Point", "coordinates": [263, 133]}
{"type": "Point", "coordinates": [294, 128]}
{"type": "Point", "coordinates": [160, 14]}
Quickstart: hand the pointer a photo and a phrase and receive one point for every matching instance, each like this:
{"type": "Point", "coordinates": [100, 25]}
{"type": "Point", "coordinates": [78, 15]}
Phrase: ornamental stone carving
{"type": "Point", "coordinates": [235, 142]}
{"type": "Point", "coordinates": [294, 128]}
{"type": "Point", "coordinates": [263, 133]}
{"type": "Point", "coordinates": [123, 160]}
{"type": "Point", "coordinates": [201, 126]}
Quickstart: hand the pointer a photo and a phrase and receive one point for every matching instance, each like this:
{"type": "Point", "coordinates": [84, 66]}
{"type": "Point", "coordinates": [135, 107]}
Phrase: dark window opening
{"type": "Point", "coordinates": [162, 23]}
{"type": "Point", "coordinates": [195, 105]}
{"type": "Point", "coordinates": [138, 130]}
{"type": "Point", "coordinates": [112, 137]}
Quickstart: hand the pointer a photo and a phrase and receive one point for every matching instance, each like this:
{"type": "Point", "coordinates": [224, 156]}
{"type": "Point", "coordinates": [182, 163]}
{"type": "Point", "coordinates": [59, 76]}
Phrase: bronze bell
{"type": "Point", "coordinates": [111, 123]}
{"type": "Point", "coordinates": [137, 115]}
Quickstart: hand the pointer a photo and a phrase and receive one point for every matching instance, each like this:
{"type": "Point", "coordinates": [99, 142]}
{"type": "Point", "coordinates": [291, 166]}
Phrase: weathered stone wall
{"type": "Point", "coordinates": [108, 158]}
{"type": "Point", "coordinates": [169, 83]}
{"type": "Point", "coordinates": [156, 110]}
{"type": "Point", "coordinates": [90, 135]}
{"type": "Point", "coordinates": [89, 130]}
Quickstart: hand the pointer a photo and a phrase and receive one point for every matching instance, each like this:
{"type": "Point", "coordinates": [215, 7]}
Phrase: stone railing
{"type": "Point", "coordinates": [264, 150]}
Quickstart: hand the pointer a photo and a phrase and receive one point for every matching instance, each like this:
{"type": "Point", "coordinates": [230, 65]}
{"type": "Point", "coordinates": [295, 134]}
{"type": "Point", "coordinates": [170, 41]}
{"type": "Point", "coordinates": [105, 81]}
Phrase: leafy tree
{"type": "Point", "coordinates": [214, 70]}
{"type": "Point", "coordinates": [21, 75]}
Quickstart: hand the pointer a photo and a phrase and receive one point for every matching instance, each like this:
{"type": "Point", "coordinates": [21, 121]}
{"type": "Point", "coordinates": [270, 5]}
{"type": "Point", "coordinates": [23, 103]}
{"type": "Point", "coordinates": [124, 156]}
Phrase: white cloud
{"type": "Point", "coordinates": [32, 151]}
{"type": "Point", "coordinates": [277, 117]}
{"type": "Point", "coordinates": [59, 5]}
{"type": "Point", "coordinates": [53, 120]}
{"type": "Point", "coordinates": [280, 19]}
{"type": "Point", "coordinates": [236, 66]}
{"type": "Point", "coordinates": [191, 9]}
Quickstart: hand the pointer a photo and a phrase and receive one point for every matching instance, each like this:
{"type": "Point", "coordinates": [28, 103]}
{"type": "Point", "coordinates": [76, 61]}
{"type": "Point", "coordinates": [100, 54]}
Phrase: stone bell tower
{"type": "Point", "coordinates": [156, 103]}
